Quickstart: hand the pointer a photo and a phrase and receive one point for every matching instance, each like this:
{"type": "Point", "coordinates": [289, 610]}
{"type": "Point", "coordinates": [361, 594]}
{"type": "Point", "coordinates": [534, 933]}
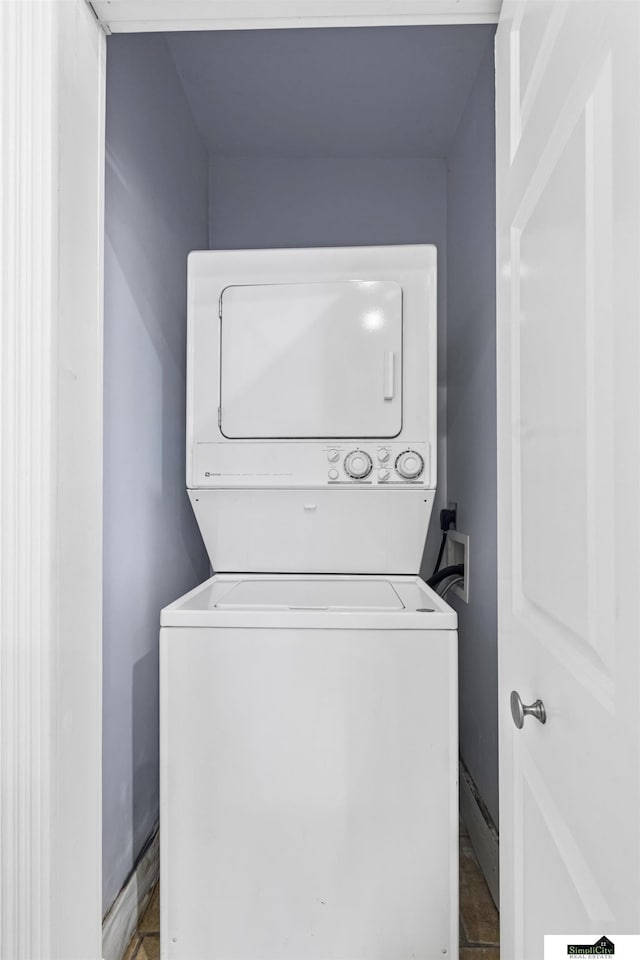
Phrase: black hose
{"type": "Point", "coordinates": [440, 553]}
{"type": "Point", "coordinates": [456, 569]}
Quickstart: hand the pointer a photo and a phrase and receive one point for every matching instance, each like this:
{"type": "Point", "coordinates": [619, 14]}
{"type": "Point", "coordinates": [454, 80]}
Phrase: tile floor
{"type": "Point", "coordinates": [479, 920]}
{"type": "Point", "coordinates": [479, 926]}
{"type": "Point", "coordinates": [146, 940]}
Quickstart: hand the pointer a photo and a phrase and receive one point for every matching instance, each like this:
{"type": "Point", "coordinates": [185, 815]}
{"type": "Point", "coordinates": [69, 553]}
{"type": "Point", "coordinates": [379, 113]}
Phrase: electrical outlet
{"type": "Point", "coordinates": [449, 517]}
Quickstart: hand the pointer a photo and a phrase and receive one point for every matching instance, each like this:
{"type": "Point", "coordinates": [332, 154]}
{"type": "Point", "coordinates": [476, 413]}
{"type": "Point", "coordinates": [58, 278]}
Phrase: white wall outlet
{"type": "Point", "coordinates": [458, 552]}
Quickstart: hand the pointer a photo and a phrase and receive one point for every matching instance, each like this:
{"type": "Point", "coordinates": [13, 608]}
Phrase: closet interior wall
{"type": "Point", "coordinates": [471, 420]}
{"type": "Point", "coordinates": [156, 211]}
{"type": "Point", "coordinates": [345, 152]}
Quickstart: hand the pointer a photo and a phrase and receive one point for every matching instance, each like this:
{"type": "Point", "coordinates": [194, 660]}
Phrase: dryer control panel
{"type": "Point", "coordinates": [358, 464]}
{"type": "Point", "coordinates": [339, 463]}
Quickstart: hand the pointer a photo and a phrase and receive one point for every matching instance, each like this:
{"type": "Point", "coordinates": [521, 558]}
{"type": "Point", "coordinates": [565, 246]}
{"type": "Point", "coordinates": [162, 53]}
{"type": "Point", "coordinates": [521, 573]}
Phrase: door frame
{"type": "Point", "coordinates": [142, 16]}
{"type": "Point", "coordinates": [51, 409]}
{"type": "Point", "coordinates": [51, 163]}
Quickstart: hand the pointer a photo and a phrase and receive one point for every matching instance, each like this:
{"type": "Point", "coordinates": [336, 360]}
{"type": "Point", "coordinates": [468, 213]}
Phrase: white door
{"type": "Point", "coordinates": [568, 177]}
{"type": "Point", "coordinates": [303, 360]}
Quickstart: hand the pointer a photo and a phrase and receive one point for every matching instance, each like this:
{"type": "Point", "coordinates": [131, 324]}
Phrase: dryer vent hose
{"type": "Point", "coordinates": [456, 569]}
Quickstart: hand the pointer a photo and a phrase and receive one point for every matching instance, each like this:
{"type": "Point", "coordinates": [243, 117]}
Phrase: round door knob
{"type": "Point", "coordinates": [383, 455]}
{"type": "Point", "coordinates": [333, 456]}
{"type": "Point", "coordinates": [409, 465]}
{"type": "Point", "coordinates": [520, 710]}
{"type": "Point", "coordinates": [383, 475]}
{"type": "Point", "coordinates": [357, 464]}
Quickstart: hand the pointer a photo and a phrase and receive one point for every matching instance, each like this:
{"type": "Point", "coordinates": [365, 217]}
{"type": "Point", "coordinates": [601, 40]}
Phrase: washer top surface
{"type": "Point", "coordinates": [311, 601]}
{"type": "Point", "coordinates": [311, 594]}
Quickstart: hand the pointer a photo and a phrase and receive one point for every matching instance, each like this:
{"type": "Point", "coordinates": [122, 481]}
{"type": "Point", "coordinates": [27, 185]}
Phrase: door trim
{"type": "Point", "coordinates": [128, 16]}
{"type": "Point", "coordinates": [52, 103]}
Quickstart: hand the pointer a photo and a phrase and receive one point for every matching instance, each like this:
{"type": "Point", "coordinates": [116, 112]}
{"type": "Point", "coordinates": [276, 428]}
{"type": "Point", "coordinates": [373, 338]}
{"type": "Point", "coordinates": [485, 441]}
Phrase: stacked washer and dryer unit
{"type": "Point", "coordinates": [309, 799]}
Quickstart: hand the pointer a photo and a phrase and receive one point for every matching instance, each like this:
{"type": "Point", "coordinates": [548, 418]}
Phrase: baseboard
{"type": "Point", "coordinates": [122, 919]}
{"type": "Point", "coordinates": [482, 833]}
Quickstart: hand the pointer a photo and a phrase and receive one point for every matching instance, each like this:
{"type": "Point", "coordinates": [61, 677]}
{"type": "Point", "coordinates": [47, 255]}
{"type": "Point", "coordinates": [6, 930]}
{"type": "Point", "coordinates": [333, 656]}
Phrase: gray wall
{"type": "Point", "coordinates": [471, 420]}
{"type": "Point", "coordinates": [156, 211]}
{"type": "Point", "coordinates": [339, 202]}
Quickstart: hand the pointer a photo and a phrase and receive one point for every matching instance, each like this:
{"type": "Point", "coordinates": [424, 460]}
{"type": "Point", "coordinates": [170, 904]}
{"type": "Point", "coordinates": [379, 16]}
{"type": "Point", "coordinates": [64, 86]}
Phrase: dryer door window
{"type": "Point", "coordinates": [311, 360]}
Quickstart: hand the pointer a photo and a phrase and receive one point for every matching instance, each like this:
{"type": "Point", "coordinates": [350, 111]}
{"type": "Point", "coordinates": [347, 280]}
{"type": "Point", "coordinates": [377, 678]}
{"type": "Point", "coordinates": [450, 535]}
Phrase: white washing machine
{"type": "Point", "coordinates": [309, 798]}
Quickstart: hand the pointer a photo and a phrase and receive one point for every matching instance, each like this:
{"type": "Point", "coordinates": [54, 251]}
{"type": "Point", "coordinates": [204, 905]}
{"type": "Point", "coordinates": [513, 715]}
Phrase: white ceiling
{"type": "Point", "coordinates": [335, 92]}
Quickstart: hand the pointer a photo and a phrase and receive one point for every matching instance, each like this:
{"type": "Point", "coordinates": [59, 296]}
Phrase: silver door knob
{"type": "Point", "coordinates": [520, 710]}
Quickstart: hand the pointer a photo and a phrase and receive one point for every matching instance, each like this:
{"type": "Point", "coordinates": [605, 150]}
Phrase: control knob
{"type": "Point", "coordinates": [357, 464]}
{"type": "Point", "coordinates": [383, 475]}
{"type": "Point", "coordinates": [333, 456]}
{"type": "Point", "coordinates": [409, 465]}
{"type": "Point", "coordinates": [383, 455]}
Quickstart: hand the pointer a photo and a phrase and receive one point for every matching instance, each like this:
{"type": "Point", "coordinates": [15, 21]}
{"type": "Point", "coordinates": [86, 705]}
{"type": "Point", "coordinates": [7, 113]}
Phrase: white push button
{"type": "Point", "coordinates": [333, 474]}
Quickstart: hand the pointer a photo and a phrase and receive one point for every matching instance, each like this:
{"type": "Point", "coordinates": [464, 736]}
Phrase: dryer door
{"type": "Point", "coordinates": [311, 360]}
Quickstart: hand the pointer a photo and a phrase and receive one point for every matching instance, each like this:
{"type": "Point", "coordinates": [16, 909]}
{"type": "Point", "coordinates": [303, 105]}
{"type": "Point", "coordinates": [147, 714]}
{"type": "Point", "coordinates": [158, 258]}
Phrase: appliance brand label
{"type": "Point", "coordinates": [252, 474]}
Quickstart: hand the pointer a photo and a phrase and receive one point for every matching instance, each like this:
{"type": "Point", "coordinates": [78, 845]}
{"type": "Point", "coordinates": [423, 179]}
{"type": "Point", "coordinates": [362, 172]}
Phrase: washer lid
{"type": "Point", "coordinates": [309, 594]}
{"type": "Point", "coordinates": [281, 602]}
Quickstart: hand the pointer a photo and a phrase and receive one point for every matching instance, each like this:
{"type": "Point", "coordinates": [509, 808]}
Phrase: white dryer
{"type": "Point", "coordinates": [309, 799]}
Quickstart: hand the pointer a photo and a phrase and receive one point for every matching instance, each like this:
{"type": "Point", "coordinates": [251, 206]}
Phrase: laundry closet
{"type": "Point", "coordinates": [256, 140]}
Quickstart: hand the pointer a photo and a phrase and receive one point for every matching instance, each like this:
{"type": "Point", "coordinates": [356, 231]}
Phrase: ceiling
{"type": "Point", "coordinates": [335, 92]}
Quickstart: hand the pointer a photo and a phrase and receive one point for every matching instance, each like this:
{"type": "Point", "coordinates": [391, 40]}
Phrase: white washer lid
{"type": "Point", "coordinates": [363, 603]}
{"type": "Point", "coordinates": [308, 594]}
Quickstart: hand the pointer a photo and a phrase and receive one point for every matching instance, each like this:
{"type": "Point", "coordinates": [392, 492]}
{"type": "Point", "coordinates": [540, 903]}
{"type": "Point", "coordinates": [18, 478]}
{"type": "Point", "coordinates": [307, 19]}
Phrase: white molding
{"type": "Point", "coordinates": [27, 474]}
{"type": "Point", "coordinates": [51, 70]}
{"type": "Point", "coordinates": [482, 834]}
{"type": "Point", "coordinates": [124, 916]}
{"type": "Point", "coordinates": [127, 16]}
{"type": "Point", "coordinates": [77, 679]}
